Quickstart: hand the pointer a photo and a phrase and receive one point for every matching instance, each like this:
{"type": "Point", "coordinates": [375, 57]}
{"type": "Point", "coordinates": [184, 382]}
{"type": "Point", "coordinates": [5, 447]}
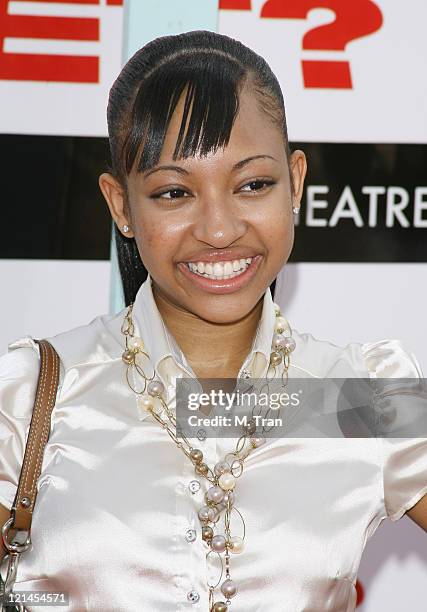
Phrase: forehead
{"type": "Point", "coordinates": [253, 132]}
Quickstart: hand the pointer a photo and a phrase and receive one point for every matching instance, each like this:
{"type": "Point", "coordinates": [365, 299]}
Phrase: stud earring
{"type": "Point", "coordinates": [295, 210]}
{"type": "Point", "coordinates": [125, 229]}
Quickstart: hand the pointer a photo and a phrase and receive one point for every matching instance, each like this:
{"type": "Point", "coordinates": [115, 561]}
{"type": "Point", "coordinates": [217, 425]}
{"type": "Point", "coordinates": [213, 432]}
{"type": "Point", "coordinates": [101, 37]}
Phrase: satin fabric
{"type": "Point", "coordinates": [114, 505]}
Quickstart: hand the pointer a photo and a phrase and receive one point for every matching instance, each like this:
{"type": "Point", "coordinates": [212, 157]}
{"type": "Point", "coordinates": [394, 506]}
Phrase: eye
{"type": "Point", "coordinates": [257, 185]}
{"type": "Point", "coordinates": [170, 194]}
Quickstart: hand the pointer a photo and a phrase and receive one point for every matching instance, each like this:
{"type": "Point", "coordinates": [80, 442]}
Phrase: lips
{"type": "Point", "coordinates": [221, 286]}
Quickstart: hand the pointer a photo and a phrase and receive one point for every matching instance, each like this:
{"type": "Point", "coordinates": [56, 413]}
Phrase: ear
{"type": "Point", "coordinates": [114, 195]}
{"type": "Point", "coordinates": [298, 165]}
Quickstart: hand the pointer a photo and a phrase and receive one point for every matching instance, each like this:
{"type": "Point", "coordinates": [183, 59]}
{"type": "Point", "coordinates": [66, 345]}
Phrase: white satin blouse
{"type": "Point", "coordinates": [117, 500]}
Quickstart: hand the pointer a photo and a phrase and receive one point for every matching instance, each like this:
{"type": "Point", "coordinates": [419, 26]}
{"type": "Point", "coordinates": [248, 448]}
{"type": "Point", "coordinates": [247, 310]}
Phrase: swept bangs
{"type": "Point", "coordinates": [209, 83]}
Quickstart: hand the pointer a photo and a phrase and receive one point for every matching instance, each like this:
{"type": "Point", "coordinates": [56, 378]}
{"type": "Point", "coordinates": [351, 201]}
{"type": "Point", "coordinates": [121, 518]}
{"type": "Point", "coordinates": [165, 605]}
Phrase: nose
{"type": "Point", "coordinates": [218, 222]}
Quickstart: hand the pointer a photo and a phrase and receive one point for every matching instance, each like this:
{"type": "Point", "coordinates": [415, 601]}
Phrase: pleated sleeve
{"type": "Point", "coordinates": [401, 405]}
{"type": "Point", "coordinates": [19, 371]}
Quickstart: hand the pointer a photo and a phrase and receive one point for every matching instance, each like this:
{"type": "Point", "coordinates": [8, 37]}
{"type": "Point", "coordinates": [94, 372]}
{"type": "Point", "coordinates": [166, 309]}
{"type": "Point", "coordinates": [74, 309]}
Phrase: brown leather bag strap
{"type": "Point", "coordinates": [23, 505]}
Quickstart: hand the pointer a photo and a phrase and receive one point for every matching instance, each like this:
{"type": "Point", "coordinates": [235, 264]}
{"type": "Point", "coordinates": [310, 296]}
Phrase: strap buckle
{"type": "Point", "coordinates": [14, 549]}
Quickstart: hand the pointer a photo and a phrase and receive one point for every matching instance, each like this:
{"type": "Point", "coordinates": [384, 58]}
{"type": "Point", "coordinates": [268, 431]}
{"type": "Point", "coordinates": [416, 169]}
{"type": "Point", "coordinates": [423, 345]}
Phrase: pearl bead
{"type": "Point", "coordinates": [155, 388]}
{"type": "Point", "coordinates": [135, 344]}
{"type": "Point", "coordinates": [237, 545]}
{"type": "Point", "coordinates": [257, 441]}
{"type": "Point", "coordinates": [128, 357]}
{"type": "Point", "coordinates": [229, 588]}
{"type": "Point", "coordinates": [218, 543]}
{"type": "Point", "coordinates": [280, 324]}
{"type": "Point", "coordinates": [215, 494]}
{"type": "Point", "coordinates": [227, 481]}
{"type": "Point", "coordinates": [275, 358]}
{"type": "Point", "coordinates": [220, 606]}
{"type": "Point", "coordinates": [276, 308]}
{"type": "Point", "coordinates": [289, 344]}
{"type": "Point", "coordinates": [221, 467]}
{"type": "Point", "coordinates": [202, 469]}
{"type": "Point", "coordinates": [278, 342]}
{"type": "Point", "coordinates": [207, 533]}
{"type": "Point", "coordinates": [206, 514]}
{"type": "Point", "coordinates": [228, 495]}
{"type": "Point", "coordinates": [146, 402]}
{"type": "Point", "coordinates": [196, 455]}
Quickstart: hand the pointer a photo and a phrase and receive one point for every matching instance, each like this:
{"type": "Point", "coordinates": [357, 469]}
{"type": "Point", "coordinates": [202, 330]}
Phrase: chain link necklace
{"type": "Point", "coordinates": [220, 496]}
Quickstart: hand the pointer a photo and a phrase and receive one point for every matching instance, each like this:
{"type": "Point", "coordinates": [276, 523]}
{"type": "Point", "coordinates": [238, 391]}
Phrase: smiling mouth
{"type": "Point", "coordinates": [220, 270]}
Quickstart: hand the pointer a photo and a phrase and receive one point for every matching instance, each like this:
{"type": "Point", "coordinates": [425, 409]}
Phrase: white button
{"type": "Point", "coordinates": [193, 596]}
{"type": "Point", "coordinates": [201, 435]}
{"type": "Point", "coordinates": [191, 535]}
{"type": "Point", "coordinates": [194, 486]}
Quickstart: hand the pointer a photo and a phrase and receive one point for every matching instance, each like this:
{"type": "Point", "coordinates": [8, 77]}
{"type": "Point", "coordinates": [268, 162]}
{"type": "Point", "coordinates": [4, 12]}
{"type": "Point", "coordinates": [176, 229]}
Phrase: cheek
{"type": "Point", "coordinates": [277, 228]}
{"type": "Point", "coordinates": [158, 237]}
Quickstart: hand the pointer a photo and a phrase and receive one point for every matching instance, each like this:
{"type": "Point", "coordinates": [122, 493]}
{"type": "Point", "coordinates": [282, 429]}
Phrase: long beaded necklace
{"type": "Point", "coordinates": [220, 496]}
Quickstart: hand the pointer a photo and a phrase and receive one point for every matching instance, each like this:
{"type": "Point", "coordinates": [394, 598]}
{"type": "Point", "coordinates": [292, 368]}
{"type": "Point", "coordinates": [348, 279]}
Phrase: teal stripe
{"type": "Point", "coordinates": [148, 19]}
{"type": "Point", "coordinates": [143, 21]}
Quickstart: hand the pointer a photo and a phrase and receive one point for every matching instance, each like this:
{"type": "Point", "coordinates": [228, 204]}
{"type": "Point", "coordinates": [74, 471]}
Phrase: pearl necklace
{"type": "Point", "coordinates": [220, 496]}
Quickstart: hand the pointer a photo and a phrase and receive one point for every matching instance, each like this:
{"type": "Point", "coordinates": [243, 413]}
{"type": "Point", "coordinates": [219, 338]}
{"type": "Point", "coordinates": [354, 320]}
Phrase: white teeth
{"type": "Point", "coordinates": [220, 270]}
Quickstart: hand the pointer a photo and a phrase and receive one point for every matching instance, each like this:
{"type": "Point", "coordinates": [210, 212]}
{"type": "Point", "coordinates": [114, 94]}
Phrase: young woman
{"type": "Point", "coordinates": [203, 190]}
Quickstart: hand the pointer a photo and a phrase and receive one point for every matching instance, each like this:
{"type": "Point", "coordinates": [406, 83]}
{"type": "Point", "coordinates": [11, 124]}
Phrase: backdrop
{"type": "Point", "coordinates": [351, 72]}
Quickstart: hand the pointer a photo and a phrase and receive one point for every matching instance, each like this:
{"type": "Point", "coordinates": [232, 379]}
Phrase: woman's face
{"type": "Point", "coordinates": [228, 206]}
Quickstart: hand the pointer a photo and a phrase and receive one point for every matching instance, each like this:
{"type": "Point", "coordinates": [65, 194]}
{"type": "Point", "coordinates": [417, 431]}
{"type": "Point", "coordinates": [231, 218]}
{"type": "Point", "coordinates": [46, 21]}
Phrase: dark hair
{"type": "Point", "coordinates": [210, 69]}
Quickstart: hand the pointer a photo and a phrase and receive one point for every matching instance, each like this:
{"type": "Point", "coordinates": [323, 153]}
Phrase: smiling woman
{"type": "Point", "coordinates": [189, 100]}
{"type": "Point", "coordinates": [130, 514]}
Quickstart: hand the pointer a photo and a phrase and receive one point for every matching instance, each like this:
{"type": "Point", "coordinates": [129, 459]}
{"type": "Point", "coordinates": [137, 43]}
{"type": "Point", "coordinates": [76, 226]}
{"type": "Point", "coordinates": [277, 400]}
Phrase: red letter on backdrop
{"type": "Point", "coordinates": [352, 20]}
{"type": "Point", "coordinates": [38, 67]}
{"type": "Point", "coordinates": [235, 5]}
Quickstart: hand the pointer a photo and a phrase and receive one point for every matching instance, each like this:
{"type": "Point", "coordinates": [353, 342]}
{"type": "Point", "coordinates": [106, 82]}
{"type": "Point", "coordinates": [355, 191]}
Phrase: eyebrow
{"type": "Point", "coordinates": [238, 166]}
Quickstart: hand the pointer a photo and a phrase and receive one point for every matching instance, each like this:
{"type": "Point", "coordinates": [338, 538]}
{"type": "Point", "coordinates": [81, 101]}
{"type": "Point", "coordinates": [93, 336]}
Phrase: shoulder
{"type": "Point", "coordinates": [97, 342]}
{"type": "Point", "coordinates": [384, 358]}
{"type": "Point", "coordinates": [100, 341]}
{"type": "Point", "coordinates": [19, 371]}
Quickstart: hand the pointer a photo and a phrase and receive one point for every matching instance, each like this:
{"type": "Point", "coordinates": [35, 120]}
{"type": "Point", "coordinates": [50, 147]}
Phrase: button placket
{"type": "Point", "coordinates": [188, 501]}
{"type": "Point", "coordinates": [189, 546]}
{"type": "Point", "coordinates": [193, 591]}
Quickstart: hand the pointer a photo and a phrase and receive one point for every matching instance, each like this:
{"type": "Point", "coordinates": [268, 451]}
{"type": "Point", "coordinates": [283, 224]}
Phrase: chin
{"type": "Point", "coordinates": [225, 311]}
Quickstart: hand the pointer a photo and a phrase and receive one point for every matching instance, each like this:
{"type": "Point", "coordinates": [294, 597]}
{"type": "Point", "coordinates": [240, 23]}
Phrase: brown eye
{"type": "Point", "coordinates": [171, 194]}
{"type": "Point", "coordinates": [257, 185]}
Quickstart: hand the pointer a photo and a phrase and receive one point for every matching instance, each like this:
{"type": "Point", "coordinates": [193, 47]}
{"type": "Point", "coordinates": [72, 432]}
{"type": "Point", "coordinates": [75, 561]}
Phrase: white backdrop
{"type": "Point", "coordinates": [338, 302]}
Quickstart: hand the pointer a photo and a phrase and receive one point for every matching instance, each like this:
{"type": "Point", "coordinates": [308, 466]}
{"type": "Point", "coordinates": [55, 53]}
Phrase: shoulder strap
{"type": "Point", "coordinates": [23, 505]}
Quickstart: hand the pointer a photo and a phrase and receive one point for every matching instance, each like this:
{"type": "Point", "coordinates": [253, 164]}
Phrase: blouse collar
{"type": "Point", "coordinates": [165, 353]}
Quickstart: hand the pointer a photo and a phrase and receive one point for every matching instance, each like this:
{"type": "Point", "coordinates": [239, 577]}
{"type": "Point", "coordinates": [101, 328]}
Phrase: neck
{"type": "Point", "coordinates": [224, 346]}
